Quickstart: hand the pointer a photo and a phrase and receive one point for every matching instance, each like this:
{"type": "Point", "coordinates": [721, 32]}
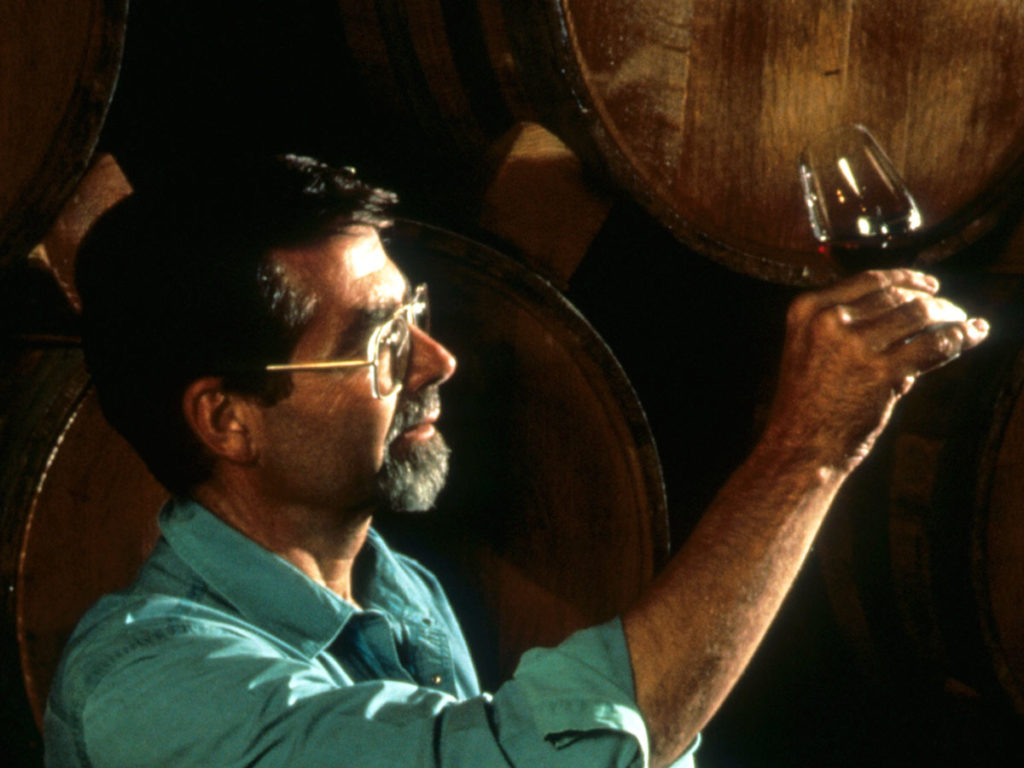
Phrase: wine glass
{"type": "Point", "coordinates": [860, 209]}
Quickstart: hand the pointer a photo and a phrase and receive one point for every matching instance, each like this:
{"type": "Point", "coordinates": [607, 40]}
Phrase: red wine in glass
{"type": "Point", "coordinates": [860, 210]}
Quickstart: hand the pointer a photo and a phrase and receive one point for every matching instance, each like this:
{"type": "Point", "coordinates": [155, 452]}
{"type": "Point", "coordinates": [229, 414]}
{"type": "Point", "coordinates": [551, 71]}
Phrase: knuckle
{"type": "Point", "coordinates": [800, 309]}
{"type": "Point", "coordinates": [892, 296]}
{"type": "Point", "coordinates": [918, 310]}
{"type": "Point", "coordinates": [956, 336]}
{"type": "Point", "coordinates": [947, 342]}
{"type": "Point", "coordinates": [827, 322]}
{"type": "Point", "coordinates": [879, 279]}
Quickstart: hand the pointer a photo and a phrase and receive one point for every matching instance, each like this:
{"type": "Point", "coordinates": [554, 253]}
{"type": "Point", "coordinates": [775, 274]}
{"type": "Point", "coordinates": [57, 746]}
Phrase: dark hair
{"type": "Point", "coordinates": [178, 283]}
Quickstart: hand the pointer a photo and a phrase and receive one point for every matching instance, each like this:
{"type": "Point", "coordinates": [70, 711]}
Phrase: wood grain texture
{"type": "Point", "coordinates": [538, 200]}
{"type": "Point", "coordinates": [999, 542]}
{"type": "Point", "coordinates": [58, 66]}
{"type": "Point", "coordinates": [433, 63]}
{"type": "Point", "coordinates": [556, 491]}
{"type": "Point", "coordinates": [102, 186]}
{"type": "Point", "coordinates": [88, 530]}
{"type": "Point", "coordinates": [701, 108]}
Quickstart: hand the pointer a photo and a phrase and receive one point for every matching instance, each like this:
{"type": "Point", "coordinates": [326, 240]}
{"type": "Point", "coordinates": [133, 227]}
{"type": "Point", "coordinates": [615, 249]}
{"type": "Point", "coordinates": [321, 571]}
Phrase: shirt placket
{"type": "Point", "coordinates": [367, 649]}
{"type": "Point", "coordinates": [432, 654]}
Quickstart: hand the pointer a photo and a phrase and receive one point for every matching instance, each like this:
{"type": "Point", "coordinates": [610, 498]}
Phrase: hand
{"type": "Point", "coordinates": [852, 350]}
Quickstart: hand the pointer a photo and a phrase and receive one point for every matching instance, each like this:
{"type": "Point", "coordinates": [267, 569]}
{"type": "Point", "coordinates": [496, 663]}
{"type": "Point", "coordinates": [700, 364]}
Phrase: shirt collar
{"type": "Point", "coordinates": [263, 587]}
{"type": "Point", "coordinates": [387, 581]}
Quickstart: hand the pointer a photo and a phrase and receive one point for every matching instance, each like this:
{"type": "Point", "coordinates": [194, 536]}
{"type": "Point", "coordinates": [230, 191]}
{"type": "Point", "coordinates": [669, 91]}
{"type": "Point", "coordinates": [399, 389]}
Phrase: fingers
{"type": "Point", "coordinates": [892, 316]}
{"type": "Point", "coordinates": [864, 284]}
{"type": "Point", "coordinates": [889, 308]}
{"type": "Point", "coordinates": [853, 349]}
{"type": "Point", "coordinates": [939, 345]}
{"type": "Point", "coordinates": [888, 324]}
{"type": "Point", "coordinates": [877, 303]}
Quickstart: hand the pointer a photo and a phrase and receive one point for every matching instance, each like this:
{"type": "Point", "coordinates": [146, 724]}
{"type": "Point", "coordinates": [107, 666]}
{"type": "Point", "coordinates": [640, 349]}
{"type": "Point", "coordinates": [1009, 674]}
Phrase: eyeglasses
{"type": "Point", "coordinates": [387, 351]}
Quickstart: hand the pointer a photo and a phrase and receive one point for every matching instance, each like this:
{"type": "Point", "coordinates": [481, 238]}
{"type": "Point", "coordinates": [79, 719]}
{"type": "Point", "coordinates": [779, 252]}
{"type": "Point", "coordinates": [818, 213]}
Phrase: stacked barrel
{"type": "Point", "coordinates": [622, 228]}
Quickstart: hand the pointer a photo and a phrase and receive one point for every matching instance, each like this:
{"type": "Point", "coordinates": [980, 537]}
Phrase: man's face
{"type": "Point", "coordinates": [331, 443]}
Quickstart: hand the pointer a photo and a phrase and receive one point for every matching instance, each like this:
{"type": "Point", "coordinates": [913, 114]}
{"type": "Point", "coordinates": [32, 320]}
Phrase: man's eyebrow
{"type": "Point", "coordinates": [377, 314]}
{"type": "Point", "coordinates": [366, 320]}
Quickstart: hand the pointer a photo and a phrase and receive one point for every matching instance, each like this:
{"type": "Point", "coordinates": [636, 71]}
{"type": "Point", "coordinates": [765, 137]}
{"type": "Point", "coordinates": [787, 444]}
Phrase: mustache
{"type": "Point", "coordinates": [414, 409]}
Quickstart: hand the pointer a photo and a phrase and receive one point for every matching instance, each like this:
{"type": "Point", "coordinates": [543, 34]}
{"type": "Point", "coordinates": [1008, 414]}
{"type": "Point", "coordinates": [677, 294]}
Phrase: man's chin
{"type": "Point", "coordinates": [413, 474]}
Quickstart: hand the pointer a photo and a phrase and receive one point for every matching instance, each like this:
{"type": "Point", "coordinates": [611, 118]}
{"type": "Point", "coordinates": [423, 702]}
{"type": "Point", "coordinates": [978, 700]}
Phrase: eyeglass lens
{"type": "Point", "coordinates": [395, 345]}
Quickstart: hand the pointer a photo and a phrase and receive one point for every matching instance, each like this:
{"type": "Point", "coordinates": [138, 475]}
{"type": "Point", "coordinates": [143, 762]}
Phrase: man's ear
{"type": "Point", "coordinates": [225, 422]}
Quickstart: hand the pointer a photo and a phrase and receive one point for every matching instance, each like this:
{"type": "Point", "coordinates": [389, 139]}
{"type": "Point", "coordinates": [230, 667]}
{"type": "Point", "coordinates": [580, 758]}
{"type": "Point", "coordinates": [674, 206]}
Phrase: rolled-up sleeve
{"type": "Point", "coordinates": [578, 700]}
{"type": "Point", "coordinates": [575, 702]}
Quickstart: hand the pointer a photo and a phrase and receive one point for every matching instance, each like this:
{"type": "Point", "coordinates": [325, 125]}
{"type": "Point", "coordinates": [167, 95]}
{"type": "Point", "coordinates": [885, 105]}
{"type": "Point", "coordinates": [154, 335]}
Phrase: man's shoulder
{"type": "Point", "coordinates": [139, 656]}
{"type": "Point", "coordinates": [163, 611]}
{"type": "Point", "coordinates": [126, 624]}
{"type": "Point", "coordinates": [132, 649]}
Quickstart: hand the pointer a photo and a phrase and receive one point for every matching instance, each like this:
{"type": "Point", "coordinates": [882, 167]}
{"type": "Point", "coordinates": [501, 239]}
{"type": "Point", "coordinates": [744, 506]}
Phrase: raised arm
{"type": "Point", "coordinates": [851, 351]}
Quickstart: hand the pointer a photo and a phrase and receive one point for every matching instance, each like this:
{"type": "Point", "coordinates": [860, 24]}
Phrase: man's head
{"type": "Point", "coordinates": [190, 293]}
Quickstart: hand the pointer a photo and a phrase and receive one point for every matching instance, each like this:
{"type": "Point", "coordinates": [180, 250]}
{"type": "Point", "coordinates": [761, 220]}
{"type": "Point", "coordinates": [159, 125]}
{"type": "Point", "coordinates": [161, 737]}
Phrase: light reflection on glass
{"type": "Point", "coordinates": [852, 190]}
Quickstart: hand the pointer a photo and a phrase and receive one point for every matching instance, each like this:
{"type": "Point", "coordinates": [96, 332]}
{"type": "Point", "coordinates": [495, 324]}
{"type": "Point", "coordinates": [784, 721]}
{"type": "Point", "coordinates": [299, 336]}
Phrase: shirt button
{"type": "Point", "coordinates": [436, 679]}
{"type": "Point", "coordinates": [426, 621]}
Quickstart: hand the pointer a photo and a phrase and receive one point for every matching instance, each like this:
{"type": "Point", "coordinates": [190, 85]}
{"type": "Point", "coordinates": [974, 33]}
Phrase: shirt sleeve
{"type": "Point", "coordinates": [191, 695]}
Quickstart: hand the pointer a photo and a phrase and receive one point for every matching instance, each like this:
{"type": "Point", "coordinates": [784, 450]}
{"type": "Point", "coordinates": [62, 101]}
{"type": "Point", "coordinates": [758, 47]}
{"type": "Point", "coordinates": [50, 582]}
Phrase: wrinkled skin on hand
{"type": "Point", "coordinates": [852, 350]}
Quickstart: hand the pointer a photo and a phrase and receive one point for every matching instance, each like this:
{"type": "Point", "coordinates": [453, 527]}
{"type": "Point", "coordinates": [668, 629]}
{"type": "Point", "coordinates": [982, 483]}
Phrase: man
{"type": "Point", "coordinates": [270, 363]}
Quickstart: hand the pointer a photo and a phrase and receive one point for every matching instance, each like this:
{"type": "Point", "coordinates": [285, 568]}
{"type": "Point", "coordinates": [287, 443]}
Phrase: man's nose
{"type": "Point", "coordinates": [430, 361]}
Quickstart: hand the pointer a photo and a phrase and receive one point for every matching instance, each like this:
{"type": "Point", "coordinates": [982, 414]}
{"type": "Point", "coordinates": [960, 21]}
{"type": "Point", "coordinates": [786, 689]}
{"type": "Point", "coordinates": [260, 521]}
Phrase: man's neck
{"type": "Point", "coordinates": [323, 544]}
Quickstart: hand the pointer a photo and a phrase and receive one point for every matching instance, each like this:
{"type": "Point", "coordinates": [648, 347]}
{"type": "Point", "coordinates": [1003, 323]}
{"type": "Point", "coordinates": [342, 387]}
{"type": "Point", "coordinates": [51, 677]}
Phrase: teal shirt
{"type": "Point", "coordinates": [224, 654]}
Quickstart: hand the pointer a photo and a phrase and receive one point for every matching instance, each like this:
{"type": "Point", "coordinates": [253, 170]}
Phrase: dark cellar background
{"type": "Point", "coordinates": [202, 81]}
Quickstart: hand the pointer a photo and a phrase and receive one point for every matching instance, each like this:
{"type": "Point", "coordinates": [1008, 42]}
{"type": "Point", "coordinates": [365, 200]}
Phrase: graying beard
{"type": "Point", "coordinates": [413, 483]}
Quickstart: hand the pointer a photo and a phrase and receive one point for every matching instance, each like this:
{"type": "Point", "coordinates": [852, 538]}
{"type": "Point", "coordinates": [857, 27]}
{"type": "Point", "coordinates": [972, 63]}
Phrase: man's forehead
{"type": "Point", "coordinates": [353, 261]}
{"type": "Point", "coordinates": [364, 252]}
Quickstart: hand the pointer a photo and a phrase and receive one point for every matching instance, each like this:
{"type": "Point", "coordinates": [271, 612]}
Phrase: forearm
{"type": "Point", "coordinates": [851, 351]}
{"type": "Point", "coordinates": [693, 633]}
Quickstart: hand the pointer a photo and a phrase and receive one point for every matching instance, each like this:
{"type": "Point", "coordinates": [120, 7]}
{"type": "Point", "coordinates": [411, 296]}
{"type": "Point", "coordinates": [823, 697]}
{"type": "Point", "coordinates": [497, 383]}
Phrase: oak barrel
{"type": "Point", "coordinates": [554, 519]}
{"type": "Point", "coordinates": [699, 109]}
{"type": "Point", "coordinates": [58, 65]}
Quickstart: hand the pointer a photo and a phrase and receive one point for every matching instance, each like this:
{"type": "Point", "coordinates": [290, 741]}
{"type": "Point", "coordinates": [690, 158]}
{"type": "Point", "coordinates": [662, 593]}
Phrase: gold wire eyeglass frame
{"type": "Point", "coordinates": [415, 312]}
